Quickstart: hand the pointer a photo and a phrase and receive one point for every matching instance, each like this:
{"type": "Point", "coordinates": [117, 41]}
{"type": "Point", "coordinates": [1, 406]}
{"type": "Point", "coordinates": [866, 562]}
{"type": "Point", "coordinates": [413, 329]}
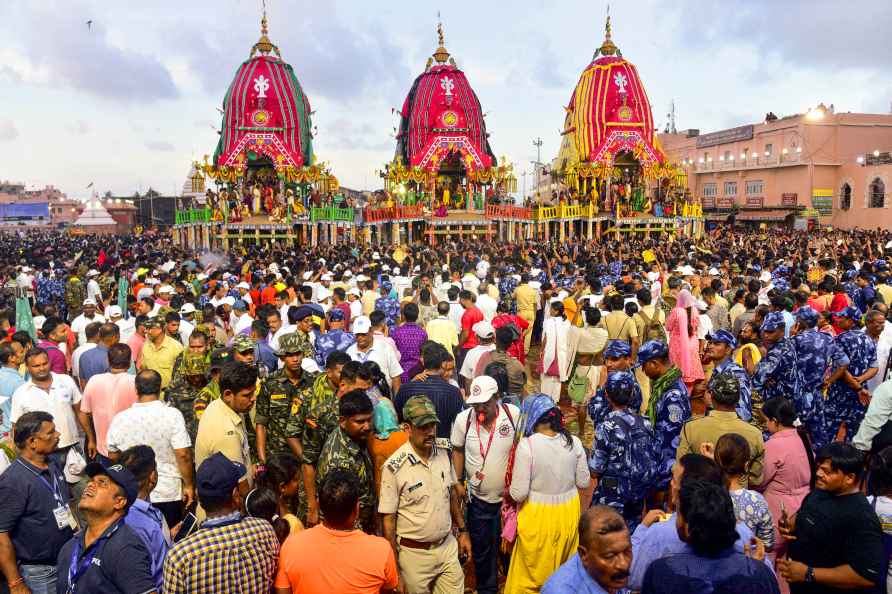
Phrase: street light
{"type": "Point", "coordinates": [860, 159]}
{"type": "Point", "coordinates": [876, 152]}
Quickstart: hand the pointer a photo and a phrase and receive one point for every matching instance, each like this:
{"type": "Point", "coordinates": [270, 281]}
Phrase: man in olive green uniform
{"type": "Point", "coordinates": [211, 391]}
{"type": "Point", "coordinates": [75, 294]}
{"type": "Point", "coordinates": [315, 420]}
{"type": "Point", "coordinates": [420, 506]}
{"type": "Point", "coordinates": [346, 449]}
{"type": "Point", "coordinates": [182, 394]}
{"type": "Point", "coordinates": [198, 343]}
{"type": "Point", "coordinates": [279, 400]}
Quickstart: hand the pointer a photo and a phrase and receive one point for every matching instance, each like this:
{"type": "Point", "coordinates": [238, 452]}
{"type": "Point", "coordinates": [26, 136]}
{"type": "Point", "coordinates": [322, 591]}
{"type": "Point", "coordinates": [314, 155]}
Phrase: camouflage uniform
{"type": "Point", "coordinates": [316, 418]}
{"type": "Point", "coordinates": [778, 375]}
{"type": "Point", "coordinates": [341, 452]}
{"type": "Point", "coordinates": [108, 286]}
{"type": "Point", "coordinates": [331, 341]}
{"type": "Point", "coordinates": [390, 307]}
{"type": "Point", "coordinates": [182, 395]}
{"type": "Point", "coordinates": [842, 401]}
{"type": "Point", "coordinates": [277, 403]}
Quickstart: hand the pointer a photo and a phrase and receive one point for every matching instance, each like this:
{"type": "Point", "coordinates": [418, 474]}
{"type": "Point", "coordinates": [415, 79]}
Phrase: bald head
{"type": "Point", "coordinates": [599, 520]}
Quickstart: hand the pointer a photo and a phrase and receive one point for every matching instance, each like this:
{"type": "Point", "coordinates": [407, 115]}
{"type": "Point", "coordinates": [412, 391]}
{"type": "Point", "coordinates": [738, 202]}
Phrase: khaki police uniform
{"type": "Point", "coordinates": [418, 493]}
{"type": "Point", "coordinates": [710, 428]}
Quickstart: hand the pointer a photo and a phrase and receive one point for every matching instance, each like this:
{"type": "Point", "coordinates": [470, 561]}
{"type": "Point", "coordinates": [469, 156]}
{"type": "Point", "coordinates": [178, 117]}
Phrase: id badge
{"type": "Point", "coordinates": [64, 519]}
{"type": "Point", "coordinates": [475, 480]}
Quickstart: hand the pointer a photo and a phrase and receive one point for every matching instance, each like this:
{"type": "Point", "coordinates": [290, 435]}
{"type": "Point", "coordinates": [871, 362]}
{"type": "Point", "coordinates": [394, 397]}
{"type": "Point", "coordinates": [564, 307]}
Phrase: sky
{"type": "Point", "coordinates": [130, 100]}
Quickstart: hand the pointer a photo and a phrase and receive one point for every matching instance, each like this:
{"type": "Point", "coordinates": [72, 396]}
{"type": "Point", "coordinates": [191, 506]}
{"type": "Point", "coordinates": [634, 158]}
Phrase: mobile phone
{"type": "Point", "coordinates": [187, 527]}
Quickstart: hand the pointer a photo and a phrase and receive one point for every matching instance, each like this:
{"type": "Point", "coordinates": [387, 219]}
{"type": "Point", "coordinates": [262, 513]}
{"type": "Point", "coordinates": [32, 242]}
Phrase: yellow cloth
{"type": "Point", "coordinates": [162, 358]}
{"type": "Point", "coordinates": [547, 535]}
{"type": "Point", "coordinates": [755, 354]}
{"type": "Point", "coordinates": [442, 330]}
{"type": "Point", "coordinates": [525, 297]}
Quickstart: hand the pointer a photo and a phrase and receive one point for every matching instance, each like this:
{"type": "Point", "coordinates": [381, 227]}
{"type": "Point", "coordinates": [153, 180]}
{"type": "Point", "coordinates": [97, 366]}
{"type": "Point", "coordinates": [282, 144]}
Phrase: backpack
{"type": "Point", "coordinates": [640, 453]}
{"type": "Point", "coordinates": [653, 329]}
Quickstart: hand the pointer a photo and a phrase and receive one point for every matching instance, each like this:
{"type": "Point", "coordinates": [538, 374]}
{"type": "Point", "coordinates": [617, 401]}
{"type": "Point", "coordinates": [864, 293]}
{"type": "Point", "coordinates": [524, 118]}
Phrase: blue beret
{"type": "Point", "coordinates": [240, 305]}
{"type": "Point", "coordinates": [851, 312]}
{"type": "Point", "coordinates": [807, 315]}
{"type": "Point", "coordinates": [722, 336]}
{"type": "Point", "coordinates": [620, 381]}
{"type": "Point", "coordinates": [652, 349]}
{"type": "Point", "coordinates": [303, 312]}
{"type": "Point", "coordinates": [336, 315]}
{"type": "Point", "coordinates": [386, 286]}
{"type": "Point", "coordinates": [617, 348]}
{"type": "Point", "coordinates": [773, 320]}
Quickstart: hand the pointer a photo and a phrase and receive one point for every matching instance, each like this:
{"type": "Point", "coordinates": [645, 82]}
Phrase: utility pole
{"type": "Point", "coordinates": [538, 144]}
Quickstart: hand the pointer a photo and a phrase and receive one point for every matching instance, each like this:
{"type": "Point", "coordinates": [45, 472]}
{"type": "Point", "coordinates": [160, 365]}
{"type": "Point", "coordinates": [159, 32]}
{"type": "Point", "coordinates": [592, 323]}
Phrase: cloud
{"type": "Point", "coordinates": [816, 33]}
{"type": "Point", "coordinates": [330, 59]}
{"type": "Point", "coordinates": [160, 145]}
{"type": "Point", "coordinates": [67, 54]}
{"type": "Point", "coordinates": [346, 134]}
{"type": "Point", "coordinates": [8, 131]}
{"type": "Point", "coordinates": [80, 127]}
{"type": "Point", "coordinates": [546, 69]}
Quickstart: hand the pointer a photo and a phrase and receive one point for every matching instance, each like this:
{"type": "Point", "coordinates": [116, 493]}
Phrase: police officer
{"type": "Point", "coordinates": [617, 357]}
{"type": "Point", "coordinates": [816, 353]}
{"type": "Point", "coordinates": [847, 396]}
{"type": "Point", "coordinates": [668, 408]}
{"type": "Point", "coordinates": [346, 449]}
{"type": "Point", "coordinates": [280, 398]}
{"type": "Point", "coordinates": [720, 347]}
{"type": "Point", "coordinates": [183, 394]}
{"type": "Point", "coordinates": [421, 508]}
{"type": "Point", "coordinates": [777, 374]}
{"type": "Point", "coordinates": [623, 463]}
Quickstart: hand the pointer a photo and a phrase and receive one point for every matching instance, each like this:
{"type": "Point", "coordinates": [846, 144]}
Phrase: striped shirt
{"type": "Point", "coordinates": [231, 557]}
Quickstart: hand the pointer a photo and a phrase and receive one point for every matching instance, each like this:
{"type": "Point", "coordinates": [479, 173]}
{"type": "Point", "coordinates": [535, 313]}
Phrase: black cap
{"type": "Point", "coordinates": [217, 476]}
{"type": "Point", "coordinates": [119, 475]}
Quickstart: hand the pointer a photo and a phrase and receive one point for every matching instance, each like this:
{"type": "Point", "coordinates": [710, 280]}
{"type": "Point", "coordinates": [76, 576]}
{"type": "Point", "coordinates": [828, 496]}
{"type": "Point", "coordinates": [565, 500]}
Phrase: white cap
{"type": "Point", "coordinates": [385, 268]}
{"type": "Point", "coordinates": [152, 281]}
{"type": "Point", "coordinates": [361, 278]}
{"type": "Point", "coordinates": [445, 268]}
{"type": "Point", "coordinates": [89, 302]}
{"type": "Point", "coordinates": [701, 305]}
{"type": "Point", "coordinates": [308, 275]}
{"type": "Point", "coordinates": [187, 308]}
{"type": "Point", "coordinates": [653, 276]}
{"type": "Point", "coordinates": [309, 365]}
{"type": "Point", "coordinates": [483, 329]}
{"type": "Point", "coordinates": [201, 276]}
{"type": "Point", "coordinates": [362, 325]}
{"type": "Point", "coordinates": [483, 388]}
{"type": "Point", "coordinates": [93, 272]}
{"type": "Point", "coordinates": [326, 277]}
{"type": "Point", "coordinates": [244, 285]}
{"type": "Point", "coordinates": [228, 300]}
{"type": "Point", "coordinates": [376, 256]}
{"type": "Point", "coordinates": [322, 294]}
{"type": "Point", "coordinates": [765, 277]}
{"type": "Point", "coordinates": [354, 291]}
{"type": "Point", "coordinates": [165, 289]}
{"type": "Point", "coordinates": [686, 270]}
{"type": "Point", "coordinates": [535, 272]}
{"type": "Point", "coordinates": [113, 310]}
{"type": "Point", "coordinates": [535, 285]}
{"type": "Point", "coordinates": [713, 271]}
{"type": "Point", "coordinates": [348, 273]}
{"type": "Point", "coordinates": [28, 269]}
{"type": "Point", "coordinates": [144, 292]}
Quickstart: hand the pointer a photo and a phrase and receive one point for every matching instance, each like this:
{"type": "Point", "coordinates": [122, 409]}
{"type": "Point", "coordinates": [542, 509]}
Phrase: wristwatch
{"type": "Point", "coordinates": [810, 574]}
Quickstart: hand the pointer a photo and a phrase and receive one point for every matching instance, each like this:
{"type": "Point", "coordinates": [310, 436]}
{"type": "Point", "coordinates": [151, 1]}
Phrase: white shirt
{"type": "Point", "coordinates": [470, 283]}
{"type": "Point", "coordinates": [59, 401]}
{"type": "Point", "coordinates": [487, 306]}
{"type": "Point", "coordinates": [242, 322]}
{"type": "Point", "coordinates": [497, 451]}
{"type": "Point", "coordinates": [355, 309]}
{"type": "Point", "coordinates": [456, 311]}
{"type": "Point", "coordinates": [186, 330]}
{"type": "Point", "coordinates": [884, 345]}
{"type": "Point", "coordinates": [381, 354]}
{"type": "Point", "coordinates": [93, 290]}
{"type": "Point", "coordinates": [80, 323]}
{"type": "Point", "coordinates": [471, 359]}
{"type": "Point", "coordinates": [160, 427]}
{"type": "Point", "coordinates": [705, 327]}
{"type": "Point", "coordinates": [76, 357]}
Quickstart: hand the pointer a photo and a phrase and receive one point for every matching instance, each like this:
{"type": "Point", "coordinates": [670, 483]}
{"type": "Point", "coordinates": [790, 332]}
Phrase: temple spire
{"type": "Point", "coordinates": [441, 55]}
{"type": "Point", "coordinates": [608, 48]}
{"type": "Point", "coordinates": [264, 45]}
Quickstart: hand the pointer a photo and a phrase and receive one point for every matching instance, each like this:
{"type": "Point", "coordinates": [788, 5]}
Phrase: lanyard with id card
{"type": "Point", "coordinates": [62, 512]}
{"type": "Point", "coordinates": [477, 480]}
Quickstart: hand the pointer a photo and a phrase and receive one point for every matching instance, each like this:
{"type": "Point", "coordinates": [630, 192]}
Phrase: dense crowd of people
{"type": "Point", "coordinates": [655, 415]}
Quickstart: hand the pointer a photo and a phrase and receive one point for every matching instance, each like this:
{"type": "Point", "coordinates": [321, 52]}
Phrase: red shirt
{"type": "Point", "coordinates": [471, 316]}
{"type": "Point", "coordinates": [268, 295]}
{"type": "Point", "coordinates": [516, 348]}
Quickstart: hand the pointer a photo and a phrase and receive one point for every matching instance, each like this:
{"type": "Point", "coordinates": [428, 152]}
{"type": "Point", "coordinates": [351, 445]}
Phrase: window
{"type": "Point", "coordinates": [845, 197]}
{"type": "Point", "coordinates": [769, 148]}
{"type": "Point", "coordinates": [709, 190]}
{"type": "Point", "coordinates": [877, 194]}
{"type": "Point", "coordinates": [754, 188]}
{"type": "Point", "coordinates": [730, 188]}
{"type": "Point", "coordinates": [728, 156]}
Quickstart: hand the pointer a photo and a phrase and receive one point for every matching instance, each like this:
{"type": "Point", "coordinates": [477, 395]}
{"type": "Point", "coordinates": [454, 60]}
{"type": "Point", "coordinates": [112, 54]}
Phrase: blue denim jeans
{"type": "Point", "coordinates": [40, 579]}
{"type": "Point", "coordinates": [484, 525]}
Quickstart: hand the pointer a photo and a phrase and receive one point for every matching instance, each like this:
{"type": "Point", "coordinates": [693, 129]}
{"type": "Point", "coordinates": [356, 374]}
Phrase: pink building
{"type": "Point", "coordinates": [62, 210]}
{"type": "Point", "coordinates": [835, 168]}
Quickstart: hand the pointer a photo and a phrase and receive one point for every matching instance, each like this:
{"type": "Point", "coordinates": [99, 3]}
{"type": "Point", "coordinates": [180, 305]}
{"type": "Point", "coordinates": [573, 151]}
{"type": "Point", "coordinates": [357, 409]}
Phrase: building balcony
{"type": "Point", "coordinates": [787, 160]}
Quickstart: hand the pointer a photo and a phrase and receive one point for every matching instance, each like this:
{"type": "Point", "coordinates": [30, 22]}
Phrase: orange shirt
{"type": "Point", "coordinates": [381, 449]}
{"type": "Point", "coordinates": [268, 295]}
{"type": "Point", "coordinates": [347, 562]}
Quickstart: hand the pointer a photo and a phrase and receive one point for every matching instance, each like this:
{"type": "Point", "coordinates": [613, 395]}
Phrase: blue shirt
{"type": "Point", "coordinates": [730, 572]}
{"type": "Point", "coordinates": [9, 381]}
{"type": "Point", "coordinates": [94, 362]}
{"type": "Point", "coordinates": [148, 524]}
{"type": "Point", "coordinates": [661, 540]}
{"type": "Point", "coordinates": [572, 578]}
{"type": "Point", "coordinates": [266, 356]}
